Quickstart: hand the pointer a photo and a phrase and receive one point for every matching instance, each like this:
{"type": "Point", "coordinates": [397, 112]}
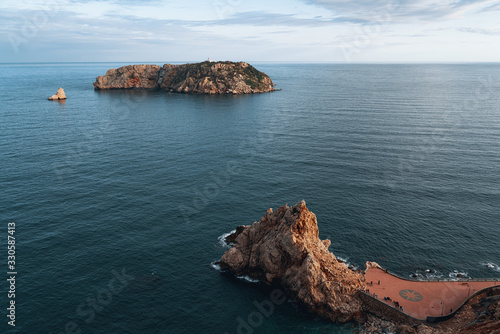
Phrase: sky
{"type": "Point", "coordinates": [341, 31]}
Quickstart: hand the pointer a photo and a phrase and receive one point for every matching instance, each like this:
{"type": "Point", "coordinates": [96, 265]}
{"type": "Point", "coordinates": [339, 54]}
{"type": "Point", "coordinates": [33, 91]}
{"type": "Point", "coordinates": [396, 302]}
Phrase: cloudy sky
{"type": "Point", "coordinates": [271, 30]}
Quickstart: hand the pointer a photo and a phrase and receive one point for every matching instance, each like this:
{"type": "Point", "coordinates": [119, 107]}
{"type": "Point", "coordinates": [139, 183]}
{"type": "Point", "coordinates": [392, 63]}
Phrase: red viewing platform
{"type": "Point", "coordinates": [422, 300]}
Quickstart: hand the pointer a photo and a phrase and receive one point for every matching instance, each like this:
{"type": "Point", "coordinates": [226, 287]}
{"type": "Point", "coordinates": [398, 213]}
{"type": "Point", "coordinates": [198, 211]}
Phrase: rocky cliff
{"type": "Point", "coordinates": [200, 78]}
{"type": "Point", "coordinates": [284, 247]}
{"type": "Point", "coordinates": [129, 77]}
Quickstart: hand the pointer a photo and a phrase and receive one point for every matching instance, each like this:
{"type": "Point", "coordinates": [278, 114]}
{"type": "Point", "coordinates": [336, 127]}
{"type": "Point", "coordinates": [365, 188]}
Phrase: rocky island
{"type": "Point", "coordinates": [60, 95]}
{"type": "Point", "coordinates": [284, 249]}
{"type": "Point", "coordinates": [208, 77]}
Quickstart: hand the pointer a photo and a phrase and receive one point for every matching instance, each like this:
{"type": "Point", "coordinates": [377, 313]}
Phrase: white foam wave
{"type": "Point", "coordinates": [491, 265]}
{"type": "Point", "coordinates": [347, 263]}
{"type": "Point", "coordinates": [342, 258]}
{"type": "Point", "coordinates": [248, 279]}
{"type": "Point", "coordinates": [458, 274]}
{"type": "Point", "coordinates": [222, 239]}
{"type": "Point", "coordinates": [433, 276]}
{"type": "Point", "coordinates": [427, 274]}
{"type": "Point", "coordinates": [245, 278]}
{"type": "Point", "coordinates": [216, 266]}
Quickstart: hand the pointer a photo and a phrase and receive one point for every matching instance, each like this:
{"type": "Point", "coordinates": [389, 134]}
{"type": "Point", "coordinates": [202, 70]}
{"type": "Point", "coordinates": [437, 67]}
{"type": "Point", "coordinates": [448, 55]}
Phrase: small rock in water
{"type": "Point", "coordinates": [59, 95]}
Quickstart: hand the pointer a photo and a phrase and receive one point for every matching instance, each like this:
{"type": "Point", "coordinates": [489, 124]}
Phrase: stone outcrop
{"type": "Point", "coordinates": [60, 95]}
{"type": "Point", "coordinates": [199, 78]}
{"type": "Point", "coordinates": [129, 77]}
{"type": "Point", "coordinates": [284, 248]}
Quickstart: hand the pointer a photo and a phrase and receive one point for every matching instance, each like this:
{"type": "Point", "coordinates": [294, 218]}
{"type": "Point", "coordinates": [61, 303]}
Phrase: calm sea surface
{"type": "Point", "coordinates": [119, 198]}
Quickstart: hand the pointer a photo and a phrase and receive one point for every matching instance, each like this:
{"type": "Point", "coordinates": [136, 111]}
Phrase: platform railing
{"type": "Point", "coordinates": [458, 279]}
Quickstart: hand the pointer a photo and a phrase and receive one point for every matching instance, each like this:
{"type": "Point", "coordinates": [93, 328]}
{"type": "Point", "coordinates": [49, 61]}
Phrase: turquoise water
{"type": "Point", "coordinates": [400, 163]}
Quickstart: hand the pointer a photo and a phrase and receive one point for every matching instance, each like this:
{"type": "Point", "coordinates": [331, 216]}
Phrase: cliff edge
{"type": "Point", "coordinates": [199, 78]}
{"type": "Point", "coordinates": [284, 247]}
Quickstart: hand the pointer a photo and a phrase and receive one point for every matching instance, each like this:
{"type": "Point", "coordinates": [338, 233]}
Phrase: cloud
{"type": "Point", "coordinates": [408, 11]}
{"type": "Point", "coordinates": [263, 18]}
{"type": "Point", "coordinates": [95, 30]}
{"type": "Point", "coordinates": [492, 8]}
{"type": "Point", "coordinates": [480, 31]}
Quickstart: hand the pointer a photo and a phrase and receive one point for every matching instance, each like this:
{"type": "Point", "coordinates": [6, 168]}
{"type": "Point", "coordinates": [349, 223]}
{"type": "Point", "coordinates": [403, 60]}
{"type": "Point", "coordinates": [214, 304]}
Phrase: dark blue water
{"type": "Point", "coordinates": [400, 163]}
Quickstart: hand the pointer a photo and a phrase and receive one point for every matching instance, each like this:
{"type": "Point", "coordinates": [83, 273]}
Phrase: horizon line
{"type": "Point", "coordinates": [269, 61]}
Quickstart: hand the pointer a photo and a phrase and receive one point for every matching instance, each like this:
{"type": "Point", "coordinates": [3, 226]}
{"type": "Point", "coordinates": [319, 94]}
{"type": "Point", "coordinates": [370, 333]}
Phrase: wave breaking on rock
{"type": "Point", "coordinates": [284, 247]}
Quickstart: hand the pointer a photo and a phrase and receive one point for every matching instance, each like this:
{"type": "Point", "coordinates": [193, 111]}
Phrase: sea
{"type": "Point", "coordinates": [120, 199]}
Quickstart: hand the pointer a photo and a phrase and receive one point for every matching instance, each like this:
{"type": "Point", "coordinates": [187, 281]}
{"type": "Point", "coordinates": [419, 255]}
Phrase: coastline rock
{"type": "Point", "coordinates": [284, 247]}
{"type": "Point", "coordinates": [60, 95]}
{"type": "Point", "coordinates": [480, 316]}
{"type": "Point", "coordinates": [199, 78]}
{"type": "Point", "coordinates": [129, 77]}
{"type": "Point", "coordinates": [230, 239]}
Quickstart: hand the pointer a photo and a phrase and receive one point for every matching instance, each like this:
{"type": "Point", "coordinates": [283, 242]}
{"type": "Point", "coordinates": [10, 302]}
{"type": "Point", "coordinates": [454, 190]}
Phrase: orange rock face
{"type": "Point", "coordinates": [284, 247]}
{"type": "Point", "coordinates": [60, 95]}
{"type": "Point", "coordinates": [214, 78]}
{"type": "Point", "coordinates": [129, 77]}
{"type": "Point", "coordinates": [199, 78]}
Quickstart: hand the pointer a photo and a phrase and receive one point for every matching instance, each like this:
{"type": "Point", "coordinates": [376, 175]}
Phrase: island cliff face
{"type": "Point", "coordinates": [284, 247]}
{"type": "Point", "coordinates": [200, 78]}
{"type": "Point", "coordinates": [129, 77]}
